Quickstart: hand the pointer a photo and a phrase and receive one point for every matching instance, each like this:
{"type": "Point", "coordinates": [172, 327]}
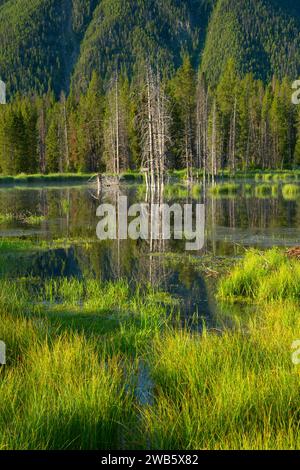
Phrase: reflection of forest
{"type": "Point", "coordinates": [70, 214]}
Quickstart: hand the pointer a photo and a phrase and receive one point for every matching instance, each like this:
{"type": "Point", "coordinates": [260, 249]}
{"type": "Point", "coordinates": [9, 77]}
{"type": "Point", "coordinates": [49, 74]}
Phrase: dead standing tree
{"type": "Point", "coordinates": [155, 131]}
{"type": "Point", "coordinates": [202, 121]}
{"type": "Point", "coordinates": [116, 142]}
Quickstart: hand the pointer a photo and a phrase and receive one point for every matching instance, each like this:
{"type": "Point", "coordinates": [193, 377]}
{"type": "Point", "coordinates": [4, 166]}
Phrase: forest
{"type": "Point", "coordinates": [179, 122]}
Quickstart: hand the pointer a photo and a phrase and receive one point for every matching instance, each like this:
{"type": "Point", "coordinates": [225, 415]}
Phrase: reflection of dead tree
{"type": "Point", "coordinates": [157, 242]}
{"type": "Point", "coordinates": [155, 131]}
{"type": "Point", "coordinates": [107, 184]}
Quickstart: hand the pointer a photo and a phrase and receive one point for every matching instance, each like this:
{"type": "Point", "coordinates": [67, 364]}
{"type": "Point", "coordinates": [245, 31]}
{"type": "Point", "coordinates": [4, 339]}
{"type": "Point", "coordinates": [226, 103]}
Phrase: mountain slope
{"type": "Point", "coordinates": [55, 42]}
{"type": "Point", "coordinates": [263, 36]}
{"type": "Point", "coordinates": [129, 33]}
{"type": "Point", "coordinates": [40, 42]}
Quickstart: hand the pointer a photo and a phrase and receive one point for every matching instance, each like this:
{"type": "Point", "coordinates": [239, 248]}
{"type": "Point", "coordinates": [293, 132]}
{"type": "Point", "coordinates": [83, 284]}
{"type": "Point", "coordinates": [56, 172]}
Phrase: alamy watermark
{"type": "Point", "coordinates": [2, 92]}
{"type": "Point", "coordinates": [2, 353]}
{"type": "Point", "coordinates": [296, 352]}
{"type": "Point", "coordinates": [152, 222]}
{"type": "Point", "coordinates": [296, 94]}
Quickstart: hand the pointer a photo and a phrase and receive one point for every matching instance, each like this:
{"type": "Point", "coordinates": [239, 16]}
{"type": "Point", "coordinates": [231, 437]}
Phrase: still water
{"type": "Point", "coordinates": [68, 224]}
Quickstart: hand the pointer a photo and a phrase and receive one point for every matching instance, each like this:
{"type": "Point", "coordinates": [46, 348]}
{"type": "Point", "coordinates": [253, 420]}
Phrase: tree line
{"type": "Point", "coordinates": [156, 123]}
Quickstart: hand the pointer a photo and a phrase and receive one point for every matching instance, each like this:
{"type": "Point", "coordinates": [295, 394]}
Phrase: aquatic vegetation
{"type": "Point", "coordinates": [235, 390]}
{"type": "Point", "coordinates": [6, 218]}
{"type": "Point", "coordinates": [278, 176]}
{"type": "Point", "coordinates": [291, 192]}
{"type": "Point", "coordinates": [266, 191]}
{"type": "Point", "coordinates": [35, 219]}
{"type": "Point", "coordinates": [225, 189]}
{"type": "Point", "coordinates": [176, 191]}
{"type": "Point", "coordinates": [79, 343]}
{"type": "Point", "coordinates": [196, 191]}
{"type": "Point", "coordinates": [8, 245]}
{"type": "Point", "coordinates": [22, 179]}
{"type": "Point", "coordinates": [74, 397]}
{"type": "Point", "coordinates": [262, 277]}
{"type": "Point", "coordinates": [248, 189]}
{"type": "Point", "coordinates": [131, 177]}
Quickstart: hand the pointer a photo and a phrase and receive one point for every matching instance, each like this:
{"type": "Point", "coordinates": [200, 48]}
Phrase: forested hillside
{"type": "Point", "coordinates": [119, 84]}
{"type": "Point", "coordinates": [127, 33]}
{"type": "Point", "coordinates": [40, 41]}
{"type": "Point", "coordinates": [263, 36]}
{"type": "Point", "coordinates": [51, 43]}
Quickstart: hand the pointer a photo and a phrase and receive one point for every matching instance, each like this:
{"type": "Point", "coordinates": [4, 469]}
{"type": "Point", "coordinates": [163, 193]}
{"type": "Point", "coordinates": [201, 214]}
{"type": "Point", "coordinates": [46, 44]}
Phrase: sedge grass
{"type": "Point", "coordinates": [225, 189]}
{"type": "Point", "coordinates": [236, 391]}
{"type": "Point", "coordinates": [74, 347]}
{"type": "Point", "coordinates": [262, 277]}
{"type": "Point", "coordinates": [64, 394]}
{"type": "Point", "coordinates": [291, 192]}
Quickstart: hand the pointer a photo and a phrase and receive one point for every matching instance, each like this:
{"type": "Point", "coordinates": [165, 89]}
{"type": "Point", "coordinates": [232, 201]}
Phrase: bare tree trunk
{"type": "Point", "coordinates": [214, 143]}
{"type": "Point", "coordinates": [65, 131]}
{"type": "Point", "coordinates": [117, 125]}
{"type": "Point", "coordinates": [42, 139]}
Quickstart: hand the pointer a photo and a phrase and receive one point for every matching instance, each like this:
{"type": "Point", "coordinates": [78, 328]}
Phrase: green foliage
{"type": "Point", "coordinates": [263, 277]}
{"type": "Point", "coordinates": [261, 35]}
{"type": "Point", "coordinates": [40, 42]}
{"type": "Point", "coordinates": [233, 390]}
{"type": "Point", "coordinates": [53, 44]}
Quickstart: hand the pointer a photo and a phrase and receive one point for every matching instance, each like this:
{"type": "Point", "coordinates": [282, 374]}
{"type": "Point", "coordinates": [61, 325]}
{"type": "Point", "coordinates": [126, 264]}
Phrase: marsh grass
{"type": "Point", "coordinates": [176, 191]}
{"type": "Point", "coordinates": [224, 189]}
{"type": "Point", "coordinates": [35, 219]}
{"type": "Point", "coordinates": [6, 218]}
{"type": "Point", "coordinates": [39, 179]}
{"type": "Point", "coordinates": [262, 277]}
{"type": "Point", "coordinates": [277, 177]}
{"type": "Point", "coordinates": [64, 394]}
{"type": "Point", "coordinates": [265, 191]}
{"type": "Point", "coordinates": [75, 346]}
{"type": "Point", "coordinates": [239, 390]}
{"type": "Point", "coordinates": [70, 377]}
{"type": "Point", "coordinates": [291, 192]}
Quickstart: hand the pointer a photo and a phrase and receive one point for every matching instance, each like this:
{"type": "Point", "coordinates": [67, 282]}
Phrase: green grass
{"type": "Point", "coordinates": [236, 391]}
{"type": "Point", "coordinates": [277, 176]}
{"type": "Point", "coordinates": [6, 218]}
{"type": "Point", "coordinates": [131, 177]}
{"type": "Point", "coordinates": [176, 191]}
{"type": "Point", "coordinates": [71, 371]}
{"type": "Point", "coordinates": [262, 277]}
{"type": "Point", "coordinates": [24, 179]}
{"type": "Point", "coordinates": [266, 191]}
{"type": "Point", "coordinates": [225, 189]}
{"type": "Point", "coordinates": [291, 192]}
{"type": "Point", "coordinates": [75, 348]}
{"type": "Point", "coordinates": [63, 393]}
{"type": "Point", "coordinates": [35, 219]}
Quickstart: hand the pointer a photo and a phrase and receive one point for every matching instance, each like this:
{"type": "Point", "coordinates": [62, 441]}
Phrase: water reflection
{"type": "Point", "coordinates": [69, 215]}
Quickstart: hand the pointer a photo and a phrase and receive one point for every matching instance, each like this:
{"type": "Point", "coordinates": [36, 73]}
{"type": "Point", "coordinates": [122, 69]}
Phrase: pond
{"type": "Point", "coordinates": [63, 219]}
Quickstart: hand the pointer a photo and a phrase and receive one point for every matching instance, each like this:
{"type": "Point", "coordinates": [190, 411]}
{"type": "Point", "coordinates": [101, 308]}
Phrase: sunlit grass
{"type": "Point", "coordinates": [64, 394]}
{"type": "Point", "coordinates": [224, 189]}
{"type": "Point", "coordinates": [291, 192]}
{"type": "Point", "coordinates": [6, 218]}
{"type": "Point", "coordinates": [239, 390]}
{"type": "Point", "coordinates": [74, 347]}
{"type": "Point", "coordinates": [35, 219]}
{"type": "Point", "coordinates": [266, 191]}
{"type": "Point", "coordinates": [262, 276]}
